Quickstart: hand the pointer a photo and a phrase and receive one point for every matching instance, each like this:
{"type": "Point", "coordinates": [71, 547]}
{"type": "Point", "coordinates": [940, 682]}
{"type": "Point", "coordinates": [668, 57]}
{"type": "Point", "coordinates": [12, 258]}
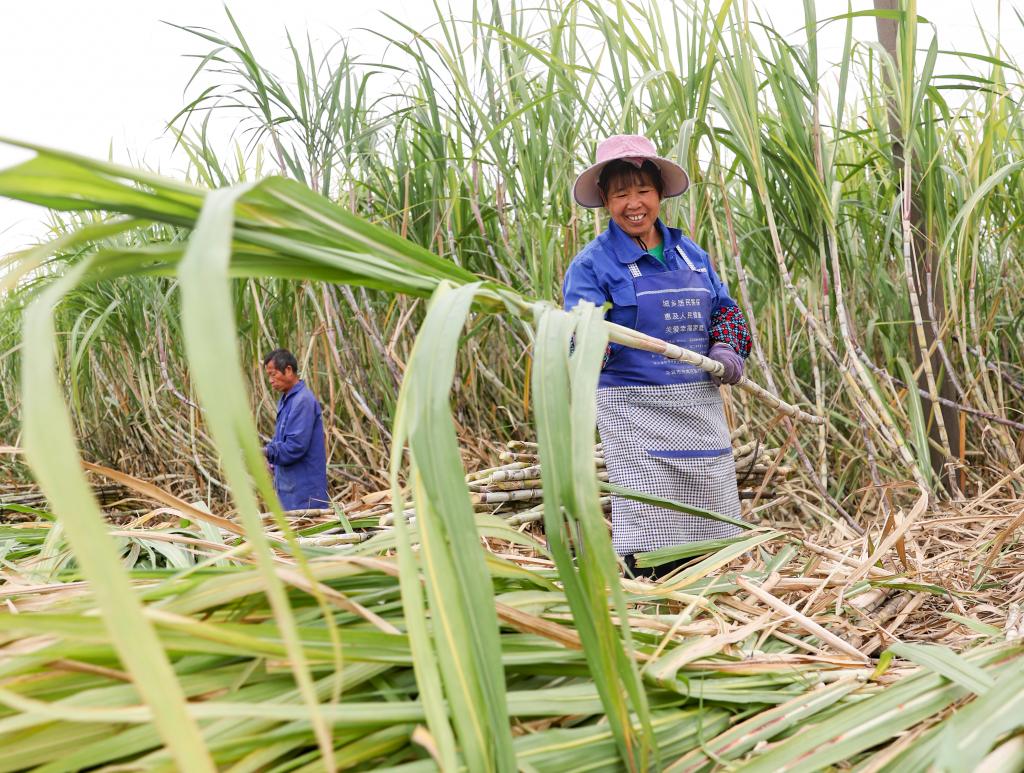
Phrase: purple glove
{"type": "Point", "coordinates": [731, 361]}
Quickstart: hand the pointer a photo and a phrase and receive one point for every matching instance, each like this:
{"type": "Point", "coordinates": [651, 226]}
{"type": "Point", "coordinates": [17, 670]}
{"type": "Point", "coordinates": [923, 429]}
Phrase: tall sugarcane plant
{"type": "Point", "coordinates": [795, 187]}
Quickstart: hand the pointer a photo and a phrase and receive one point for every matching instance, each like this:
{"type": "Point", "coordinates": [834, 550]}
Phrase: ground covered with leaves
{"type": "Point", "coordinates": [771, 652]}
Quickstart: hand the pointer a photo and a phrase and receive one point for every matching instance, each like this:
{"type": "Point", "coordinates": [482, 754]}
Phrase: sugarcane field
{"type": "Point", "coordinates": [580, 385]}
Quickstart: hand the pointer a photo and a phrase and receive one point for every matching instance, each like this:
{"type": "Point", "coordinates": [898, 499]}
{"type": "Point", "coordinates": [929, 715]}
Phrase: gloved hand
{"type": "Point", "coordinates": [731, 361]}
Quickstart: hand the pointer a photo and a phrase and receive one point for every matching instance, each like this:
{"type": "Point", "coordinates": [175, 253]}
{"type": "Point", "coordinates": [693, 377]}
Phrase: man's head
{"type": "Point", "coordinates": [282, 369]}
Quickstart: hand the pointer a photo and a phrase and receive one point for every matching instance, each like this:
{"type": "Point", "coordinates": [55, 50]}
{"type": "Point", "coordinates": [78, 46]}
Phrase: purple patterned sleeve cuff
{"type": "Point", "coordinates": [729, 326]}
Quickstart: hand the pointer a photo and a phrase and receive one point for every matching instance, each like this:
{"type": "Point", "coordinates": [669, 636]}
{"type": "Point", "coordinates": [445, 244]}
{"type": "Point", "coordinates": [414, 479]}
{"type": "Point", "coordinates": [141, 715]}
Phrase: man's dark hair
{"type": "Point", "coordinates": [282, 358]}
{"type": "Point", "coordinates": [622, 172]}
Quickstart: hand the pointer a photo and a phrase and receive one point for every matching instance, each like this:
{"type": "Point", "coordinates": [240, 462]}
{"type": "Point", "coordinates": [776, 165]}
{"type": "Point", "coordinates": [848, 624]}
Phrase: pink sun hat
{"type": "Point", "coordinates": [636, 149]}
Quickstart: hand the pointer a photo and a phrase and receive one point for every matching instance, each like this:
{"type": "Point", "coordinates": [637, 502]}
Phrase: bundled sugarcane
{"type": "Point", "coordinates": [514, 490]}
{"type": "Point", "coordinates": [14, 497]}
{"type": "Point", "coordinates": [757, 467]}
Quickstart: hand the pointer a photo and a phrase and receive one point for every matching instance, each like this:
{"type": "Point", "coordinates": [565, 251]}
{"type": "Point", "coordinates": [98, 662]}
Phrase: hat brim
{"type": "Point", "coordinates": [587, 194]}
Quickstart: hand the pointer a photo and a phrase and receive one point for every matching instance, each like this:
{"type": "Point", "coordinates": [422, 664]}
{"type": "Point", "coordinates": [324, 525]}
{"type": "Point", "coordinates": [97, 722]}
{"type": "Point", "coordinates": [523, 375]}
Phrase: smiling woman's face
{"type": "Point", "coordinates": [633, 202]}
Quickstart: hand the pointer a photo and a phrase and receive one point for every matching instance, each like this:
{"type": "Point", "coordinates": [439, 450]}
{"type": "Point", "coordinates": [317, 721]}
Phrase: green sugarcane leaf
{"type": "Point", "coordinates": [669, 504]}
{"type": "Point", "coordinates": [50, 449]}
{"type": "Point", "coordinates": [210, 340]}
{"type": "Point", "coordinates": [971, 733]}
{"type": "Point", "coordinates": [763, 726]}
{"type": "Point", "coordinates": [465, 643]}
{"type": "Point", "coordinates": [918, 425]}
{"type": "Point", "coordinates": [947, 663]}
{"type": "Point", "coordinates": [573, 519]}
{"type": "Point", "coordinates": [676, 552]}
{"type": "Point", "coordinates": [917, 587]}
{"type": "Point", "coordinates": [985, 629]}
{"type": "Point", "coordinates": [868, 722]}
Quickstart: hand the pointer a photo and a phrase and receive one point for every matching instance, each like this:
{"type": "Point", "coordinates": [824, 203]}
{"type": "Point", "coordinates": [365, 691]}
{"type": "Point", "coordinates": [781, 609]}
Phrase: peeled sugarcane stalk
{"type": "Point", "coordinates": [514, 485]}
{"type": "Point", "coordinates": [744, 463]}
{"type": "Point", "coordinates": [513, 456]}
{"type": "Point", "coordinates": [750, 450]}
{"type": "Point", "coordinates": [309, 513]}
{"type": "Point", "coordinates": [388, 518]}
{"type": "Point", "coordinates": [526, 473]}
{"type": "Point", "coordinates": [535, 514]}
{"type": "Point", "coordinates": [517, 476]}
{"type": "Point", "coordinates": [761, 469]}
{"type": "Point", "coordinates": [531, 459]}
{"type": "Point", "coordinates": [528, 483]}
{"type": "Point", "coordinates": [495, 497]}
{"type": "Point", "coordinates": [747, 449]}
{"type": "Point", "coordinates": [481, 474]}
{"type": "Point", "coordinates": [637, 340]}
{"type": "Point", "coordinates": [330, 540]}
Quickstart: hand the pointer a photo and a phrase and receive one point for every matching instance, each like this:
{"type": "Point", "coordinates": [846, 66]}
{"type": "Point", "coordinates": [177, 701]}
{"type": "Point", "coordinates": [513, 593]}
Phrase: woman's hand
{"type": "Point", "coordinates": [731, 361]}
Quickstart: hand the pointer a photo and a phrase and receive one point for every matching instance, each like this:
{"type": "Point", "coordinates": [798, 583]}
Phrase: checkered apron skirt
{"type": "Point", "coordinates": [672, 442]}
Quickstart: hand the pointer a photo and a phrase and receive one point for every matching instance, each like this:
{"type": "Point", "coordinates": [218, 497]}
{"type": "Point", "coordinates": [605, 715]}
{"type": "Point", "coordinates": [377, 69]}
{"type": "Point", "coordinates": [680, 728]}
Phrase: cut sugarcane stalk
{"type": "Point", "coordinates": [637, 340]}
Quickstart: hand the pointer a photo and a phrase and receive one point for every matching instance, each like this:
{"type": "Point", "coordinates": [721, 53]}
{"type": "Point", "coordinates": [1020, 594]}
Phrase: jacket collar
{"type": "Point", "coordinates": [627, 250]}
{"type": "Point", "coordinates": [299, 386]}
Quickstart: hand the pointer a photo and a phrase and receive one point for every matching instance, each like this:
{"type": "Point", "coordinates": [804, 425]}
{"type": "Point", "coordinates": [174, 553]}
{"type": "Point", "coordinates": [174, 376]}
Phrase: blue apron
{"type": "Point", "coordinates": [661, 421]}
{"type": "Point", "coordinates": [674, 306]}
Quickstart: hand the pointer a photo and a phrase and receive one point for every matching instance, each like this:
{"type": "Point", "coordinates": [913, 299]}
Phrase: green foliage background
{"type": "Point", "coordinates": [469, 149]}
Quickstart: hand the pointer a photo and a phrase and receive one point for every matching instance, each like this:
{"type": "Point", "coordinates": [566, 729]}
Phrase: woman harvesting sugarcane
{"type": "Point", "coordinates": [661, 421]}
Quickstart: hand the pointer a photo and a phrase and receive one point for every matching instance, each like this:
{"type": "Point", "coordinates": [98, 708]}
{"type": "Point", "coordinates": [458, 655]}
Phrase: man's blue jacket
{"type": "Point", "coordinates": [297, 451]}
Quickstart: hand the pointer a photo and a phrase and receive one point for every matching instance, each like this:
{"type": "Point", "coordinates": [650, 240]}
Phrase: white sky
{"type": "Point", "coordinates": [107, 74]}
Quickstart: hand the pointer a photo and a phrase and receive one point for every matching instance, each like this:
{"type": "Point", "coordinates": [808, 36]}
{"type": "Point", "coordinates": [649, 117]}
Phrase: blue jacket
{"type": "Point", "coordinates": [600, 272]}
{"type": "Point", "coordinates": [297, 451]}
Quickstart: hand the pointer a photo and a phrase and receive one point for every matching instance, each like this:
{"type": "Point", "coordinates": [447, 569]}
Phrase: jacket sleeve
{"type": "Point", "coordinates": [722, 298]}
{"type": "Point", "coordinates": [581, 285]}
{"type": "Point", "coordinates": [295, 438]}
{"type": "Point", "coordinates": [727, 325]}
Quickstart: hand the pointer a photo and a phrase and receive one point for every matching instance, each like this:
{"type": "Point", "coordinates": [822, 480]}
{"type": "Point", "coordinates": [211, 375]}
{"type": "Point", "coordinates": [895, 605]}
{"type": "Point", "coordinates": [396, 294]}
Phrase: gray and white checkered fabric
{"type": "Point", "coordinates": [662, 440]}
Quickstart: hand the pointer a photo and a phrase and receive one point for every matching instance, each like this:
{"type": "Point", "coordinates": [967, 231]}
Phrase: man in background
{"type": "Point", "coordinates": [297, 452]}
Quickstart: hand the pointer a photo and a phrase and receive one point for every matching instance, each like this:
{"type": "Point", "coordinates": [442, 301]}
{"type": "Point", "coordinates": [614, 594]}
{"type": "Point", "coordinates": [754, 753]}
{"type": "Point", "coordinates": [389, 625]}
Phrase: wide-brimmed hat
{"type": "Point", "coordinates": [636, 149]}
